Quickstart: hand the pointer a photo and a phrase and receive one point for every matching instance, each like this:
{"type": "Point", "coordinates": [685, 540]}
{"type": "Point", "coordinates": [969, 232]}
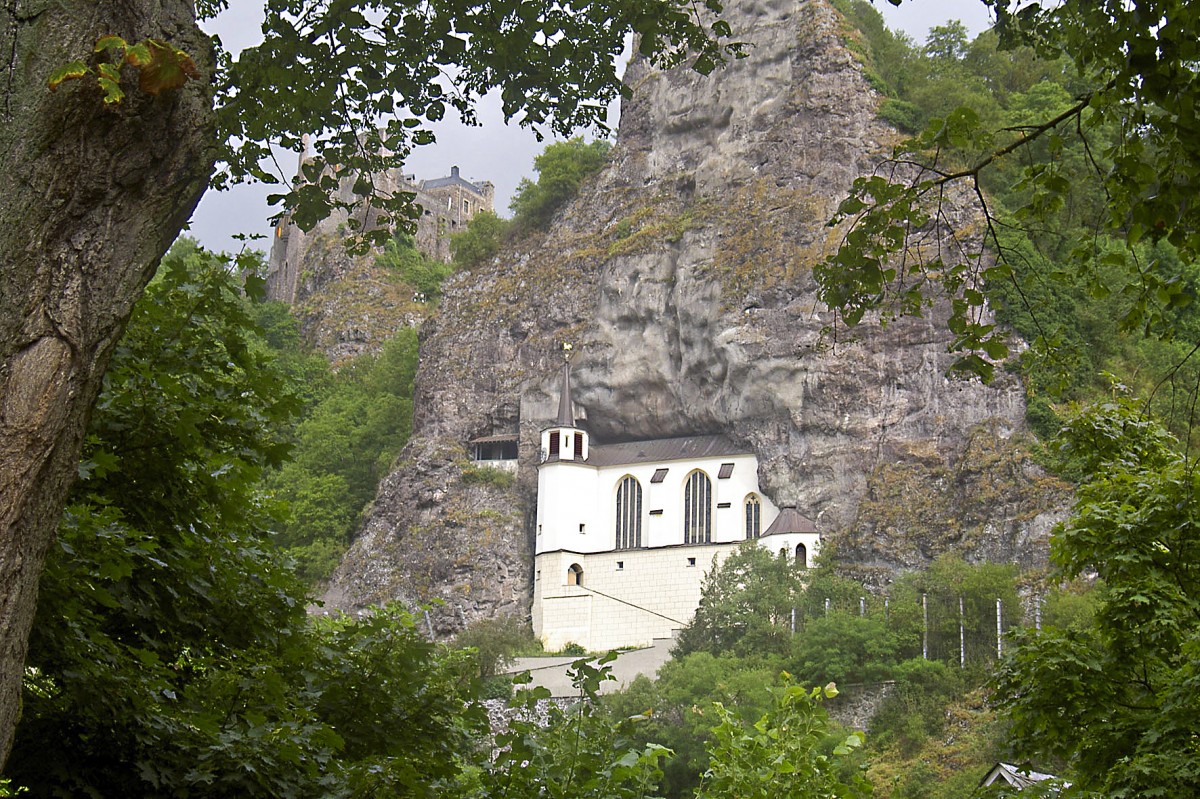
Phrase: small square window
{"type": "Point", "coordinates": [725, 472]}
{"type": "Point", "coordinates": [620, 565]}
{"type": "Point", "coordinates": [659, 476]}
{"type": "Point", "coordinates": [581, 526]}
{"type": "Point", "coordinates": [691, 561]}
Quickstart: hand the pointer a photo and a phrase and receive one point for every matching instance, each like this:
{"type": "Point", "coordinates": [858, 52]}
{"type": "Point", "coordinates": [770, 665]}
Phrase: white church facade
{"type": "Point", "coordinates": [626, 532]}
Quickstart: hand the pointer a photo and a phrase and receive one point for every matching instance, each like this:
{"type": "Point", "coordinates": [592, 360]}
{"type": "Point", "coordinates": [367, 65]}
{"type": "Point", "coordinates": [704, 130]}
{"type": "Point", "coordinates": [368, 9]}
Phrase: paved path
{"type": "Point", "coordinates": [551, 672]}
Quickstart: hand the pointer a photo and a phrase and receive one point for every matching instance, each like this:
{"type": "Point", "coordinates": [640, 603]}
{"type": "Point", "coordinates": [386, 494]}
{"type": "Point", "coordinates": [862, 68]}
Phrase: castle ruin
{"type": "Point", "coordinates": [447, 205]}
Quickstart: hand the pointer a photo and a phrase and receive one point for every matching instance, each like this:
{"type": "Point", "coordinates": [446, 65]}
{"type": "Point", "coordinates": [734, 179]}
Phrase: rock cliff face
{"type": "Point", "coordinates": [682, 278]}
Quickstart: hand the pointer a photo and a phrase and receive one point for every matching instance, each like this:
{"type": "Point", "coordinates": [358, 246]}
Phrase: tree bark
{"type": "Point", "coordinates": [92, 197]}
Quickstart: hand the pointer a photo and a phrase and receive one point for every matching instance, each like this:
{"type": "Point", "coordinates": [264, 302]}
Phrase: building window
{"type": "Point", "coordinates": [801, 556]}
{"type": "Point", "coordinates": [691, 561]}
{"type": "Point", "coordinates": [725, 472]}
{"type": "Point", "coordinates": [554, 444]}
{"type": "Point", "coordinates": [659, 476]}
{"type": "Point", "coordinates": [579, 446]}
{"type": "Point", "coordinates": [753, 516]}
{"type": "Point", "coordinates": [697, 509]}
{"type": "Point", "coordinates": [629, 513]}
{"type": "Point", "coordinates": [466, 206]}
{"type": "Point", "coordinates": [575, 574]}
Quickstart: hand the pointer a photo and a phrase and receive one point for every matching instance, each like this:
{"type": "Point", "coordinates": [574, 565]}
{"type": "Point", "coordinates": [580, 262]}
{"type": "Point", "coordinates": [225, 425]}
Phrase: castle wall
{"type": "Point", "coordinates": [448, 204]}
{"type": "Point", "coordinates": [625, 598]}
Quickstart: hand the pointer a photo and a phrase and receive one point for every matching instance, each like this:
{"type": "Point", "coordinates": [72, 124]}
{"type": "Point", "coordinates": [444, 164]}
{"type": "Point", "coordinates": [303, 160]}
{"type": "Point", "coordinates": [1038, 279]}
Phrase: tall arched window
{"type": "Point", "coordinates": [753, 516]}
{"type": "Point", "coordinates": [697, 509]}
{"type": "Point", "coordinates": [629, 513]}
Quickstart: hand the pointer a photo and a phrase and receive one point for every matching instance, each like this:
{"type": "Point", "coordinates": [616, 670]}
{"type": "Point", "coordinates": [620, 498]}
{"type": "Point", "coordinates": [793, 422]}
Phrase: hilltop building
{"type": "Point", "coordinates": [626, 532]}
{"type": "Point", "coordinates": [447, 203]}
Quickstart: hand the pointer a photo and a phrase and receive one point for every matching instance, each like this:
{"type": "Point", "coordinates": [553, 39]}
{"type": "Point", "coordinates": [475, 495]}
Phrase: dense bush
{"type": "Point", "coordinates": [562, 167]}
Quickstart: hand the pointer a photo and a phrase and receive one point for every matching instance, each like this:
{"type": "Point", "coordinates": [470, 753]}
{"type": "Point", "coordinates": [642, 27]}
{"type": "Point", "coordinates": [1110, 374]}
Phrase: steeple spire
{"type": "Point", "coordinates": [566, 415]}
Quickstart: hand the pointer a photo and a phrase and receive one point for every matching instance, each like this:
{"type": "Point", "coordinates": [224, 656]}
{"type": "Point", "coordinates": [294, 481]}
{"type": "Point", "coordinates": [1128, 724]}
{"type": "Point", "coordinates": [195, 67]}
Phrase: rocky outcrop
{"type": "Point", "coordinates": [349, 305]}
{"type": "Point", "coordinates": [682, 277]}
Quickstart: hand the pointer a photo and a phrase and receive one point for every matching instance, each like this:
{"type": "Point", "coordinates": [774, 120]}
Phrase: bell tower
{"type": "Point", "coordinates": [563, 441]}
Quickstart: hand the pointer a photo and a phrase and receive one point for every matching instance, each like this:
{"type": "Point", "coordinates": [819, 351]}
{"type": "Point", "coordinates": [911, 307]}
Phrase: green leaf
{"type": "Point", "coordinates": [110, 41]}
{"type": "Point", "coordinates": [71, 71]}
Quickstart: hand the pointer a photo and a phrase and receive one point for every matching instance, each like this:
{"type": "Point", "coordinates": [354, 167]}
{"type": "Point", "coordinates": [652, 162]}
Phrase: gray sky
{"type": "Point", "coordinates": [494, 151]}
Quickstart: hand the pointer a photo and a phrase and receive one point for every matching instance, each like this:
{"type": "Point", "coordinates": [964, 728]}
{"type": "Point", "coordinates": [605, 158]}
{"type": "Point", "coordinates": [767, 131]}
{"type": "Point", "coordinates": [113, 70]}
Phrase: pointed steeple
{"type": "Point", "coordinates": [566, 413]}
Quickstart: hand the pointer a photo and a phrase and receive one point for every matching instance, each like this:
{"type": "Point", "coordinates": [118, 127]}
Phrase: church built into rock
{"type": "Point", "coordinates": [626, 532]}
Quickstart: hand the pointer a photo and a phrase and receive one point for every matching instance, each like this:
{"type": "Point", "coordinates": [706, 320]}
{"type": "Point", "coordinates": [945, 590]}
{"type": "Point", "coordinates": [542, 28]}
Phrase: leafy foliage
{"type": "Point", "coordinates": [746, 602]}
{"type": "Point", "coordinates": [480, 241]}
{"type": "Point", "coordinates": [1116, 700]}
{"type": "Point", "coordinates": [1079, 148]}
{"type": "Point", "coordinates": [781, 753]}
{"type": "Point", "coordinates": [344, 446]}
{"type": "Point", "coordinates": [160, 66]}
{"type": "Point", "coordinates": [743, 636]}
{"type": "Point", "coordinates": [172, 653]}
{"type": "Point", "coordinates": [562, 168]}
{"type": "Point", "coordinates": [573, 753]}
{"type": "Point", "coordinates": [680, 699]}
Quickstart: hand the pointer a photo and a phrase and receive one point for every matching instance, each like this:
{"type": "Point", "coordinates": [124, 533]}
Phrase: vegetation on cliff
{"type": "Point", "coordinates": [1089, 221]}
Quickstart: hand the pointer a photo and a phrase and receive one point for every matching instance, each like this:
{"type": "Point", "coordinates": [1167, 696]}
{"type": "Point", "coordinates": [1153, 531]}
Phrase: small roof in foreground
{"type": "Point", "coordinates": [1015, 776]}
{"type": "Point", "coordinates": [658, 450]}
{"type": "Point", "coordinates": [791, 520]}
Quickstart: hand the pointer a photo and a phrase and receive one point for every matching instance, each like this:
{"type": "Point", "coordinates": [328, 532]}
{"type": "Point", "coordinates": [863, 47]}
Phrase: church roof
{"type": "Point", "coordinates": [664, 449]}
{"type": "Point", "coordinates": [791, 520]}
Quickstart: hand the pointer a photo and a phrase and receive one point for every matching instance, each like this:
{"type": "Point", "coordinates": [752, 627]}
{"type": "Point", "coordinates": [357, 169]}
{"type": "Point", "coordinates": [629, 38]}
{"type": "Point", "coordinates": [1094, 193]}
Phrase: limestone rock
{"type": "Point", "coordinates": [682, 277]}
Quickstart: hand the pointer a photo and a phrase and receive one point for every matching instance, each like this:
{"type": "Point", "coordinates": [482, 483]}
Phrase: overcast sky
{"type": "Point", "coordinates": [494, 151]}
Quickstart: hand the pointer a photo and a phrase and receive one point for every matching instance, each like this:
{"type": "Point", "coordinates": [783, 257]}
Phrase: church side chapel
{"type": "Point", "coordinates": [626, 532]}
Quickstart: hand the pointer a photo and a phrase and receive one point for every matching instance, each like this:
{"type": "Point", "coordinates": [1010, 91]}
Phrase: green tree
{"type": "Point", "coordinates": [781, 754]}
{"type": "Point", "coordinates": [97, 191]}
{"type": "Point", "coordinates": [344, 446]}
{"type": "Point", "coordinates": [746, 605]}
{"type": "Point", "coordinates": [172, 652]}
{"type": "Point", "coordinates": [1132, 83]}
{"type": "Point", "coordinates": [679, 700]}
{"type": "Point", "coordinates": [562, 167]}
{"type": "Point", "coordinates": [1116, 700]}
{"type": "Point", "coordinates": [480, 241]}
{"type": "Point", "coordinates": [568, 753]}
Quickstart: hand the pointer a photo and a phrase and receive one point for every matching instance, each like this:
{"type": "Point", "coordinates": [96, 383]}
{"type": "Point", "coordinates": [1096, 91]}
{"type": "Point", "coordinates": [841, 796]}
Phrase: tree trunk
{"type": "Point", "coordinates": [92, 197]}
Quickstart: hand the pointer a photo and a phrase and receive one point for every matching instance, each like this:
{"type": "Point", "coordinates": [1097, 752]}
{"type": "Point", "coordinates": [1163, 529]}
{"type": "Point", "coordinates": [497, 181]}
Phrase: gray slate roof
{"type": "Point", "coordinates": [664, 449]}
{"type": "Point", "coordinates": [453, 179]}
{"type": "Point", "coordinates": [791, 520]}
